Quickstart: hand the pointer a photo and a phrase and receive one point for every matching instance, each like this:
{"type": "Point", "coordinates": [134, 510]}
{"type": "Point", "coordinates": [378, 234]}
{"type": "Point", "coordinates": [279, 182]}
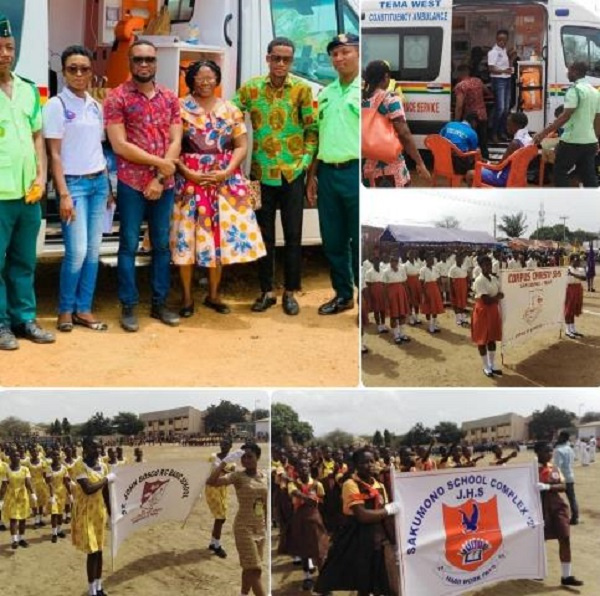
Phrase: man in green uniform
{"type": "Point", "coordinates": [22, 180]}
{"type": "Point", "coordinates": [334, 176]}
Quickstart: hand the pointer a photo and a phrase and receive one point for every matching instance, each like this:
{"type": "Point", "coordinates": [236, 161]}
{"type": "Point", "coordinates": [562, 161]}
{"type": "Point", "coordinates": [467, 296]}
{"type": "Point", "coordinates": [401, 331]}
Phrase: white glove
{"type": "Point", "coordinates": [70, 499]}
{"type": "Point", "coordinates": [52, 500]}
{"type": "Point", "coordinates": [233, 457]}
{"type": "Point", "coordinates": [392, 508]}
{"type": "Point", "coordinates": [542, 486]}
{"type": "Point", "coordinates": [1, 505]}
{"type": "Point", "coordinates": [111, 477]}
{"type": "Point", "coordinates": [33, 497]}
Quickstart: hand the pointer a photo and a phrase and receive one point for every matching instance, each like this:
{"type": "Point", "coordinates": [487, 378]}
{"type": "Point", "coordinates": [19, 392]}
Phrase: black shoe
{"type": "Point", "coordinates": [61, 534]}
{"type": "Point", "coordinates": [574, 522]}
{"type": "Point", "coordinates": [54, 538]}
{"type": "Point", "coordinates": [219, 307]}
{"type": "Point", "coordinates": [497, 372]}
{"type": "Point", "coordinates": [290, 305]}
{"type": "Point", "coordinates": [263, 302]}
{"type": "Point", "coordinates": [8, 341]}
{"type": "Point", "coordinates": [164, 315]}
{"type": "Point", "coordinates": [14, 545]}
{"type": "Point", "coordinates": [488, 373]}
{"type": "Point", "coordinates": [23, 543]}
{"type": "Point", "coordinates": [33, 332]}
{"type": "Point", "coordinates": [129, 320]}
{"type": "Point", "coordinates": [42, 523]}
{"type": "Point", "coordinates": [570, 581]}
{"type": "Point", "coordinates": [577, 334]}
{"type": "Point", "coordinates": [2, 528]}
{"type": "Point", "coordinates": [307, 584]}
{"type": "Point", "coordinates": [336, 305]}
{"type": "Point", "coordinates": [101, 592]}
{"type": "Point", "coordinates": [220, 552]}
{"type": "Point", "coordinates": [185, 312]}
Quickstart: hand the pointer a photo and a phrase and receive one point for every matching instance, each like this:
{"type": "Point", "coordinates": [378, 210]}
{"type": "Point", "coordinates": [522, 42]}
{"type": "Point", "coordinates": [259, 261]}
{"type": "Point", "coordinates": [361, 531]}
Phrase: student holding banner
{"type": "Point", "coordinates": [574, 300]}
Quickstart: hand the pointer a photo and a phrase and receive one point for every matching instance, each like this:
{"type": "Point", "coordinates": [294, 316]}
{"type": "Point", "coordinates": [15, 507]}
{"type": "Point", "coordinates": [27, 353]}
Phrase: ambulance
{"type": "Point", "coordinates": [235, 33]}
{"type": "Point", "coordinates": [426, 40]}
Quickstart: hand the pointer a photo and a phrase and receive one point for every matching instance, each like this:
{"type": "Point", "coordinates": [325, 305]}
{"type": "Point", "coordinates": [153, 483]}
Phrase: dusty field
{"type": "Point", "coordinates": [450, 359]}
{"type": "Point", "coordinates": [162, 559]}
{"type": "Point", "coordinates": [242, 349]}
{"type": "Point", "coordinates": [585, 545]}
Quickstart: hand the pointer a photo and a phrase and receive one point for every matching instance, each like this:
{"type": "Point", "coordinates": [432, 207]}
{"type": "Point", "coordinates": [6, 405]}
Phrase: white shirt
{"type": "Point", "coordinates": [498, 57]}
{"type": "Point", "coordinates": [522, 135]}
{"type": "Point", "coordinates": [482, 285]}
{"type": "Point", "coordinates": [573, 280]}
{"type": "Point", "coordinates": [442, 268]}
{"type": "Point", "coordinates": [456, 272]}
{"type": "Point", "coordinates": [495, 267]}
{"type": "Point", "coordinates": [426, 274]}
{"type": "Point", "coordinates": [468, 262]}
{"type": "Point", "coordinates": [81, 129]}
{"type": "Point", "coordinates": [412, 269]}
{"type": "Point", "coordinates": [372, 276]}
{"type": "Point", "coordinates": [390, 276]}
{"type": "Point", "coordinates": [531, 263]}
{"type": "Point", "coordinates": [513, 264]}
{"type": "Point", "coordinates": [476, 271]}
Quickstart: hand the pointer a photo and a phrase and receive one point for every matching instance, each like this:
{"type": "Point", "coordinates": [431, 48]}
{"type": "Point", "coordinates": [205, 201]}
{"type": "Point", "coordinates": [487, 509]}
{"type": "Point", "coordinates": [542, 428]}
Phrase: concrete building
{"type": "Point", "coordinates": [502, 428]}
{"type": "Point", "coordinates": [178, 421]}
{"type": "Point", "coordinates": [588, 430]}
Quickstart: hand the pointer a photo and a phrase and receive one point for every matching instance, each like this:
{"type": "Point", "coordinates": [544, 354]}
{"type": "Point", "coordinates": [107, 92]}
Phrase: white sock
{"type": "Point", "coordinates": [411, 318]}
{"type": "Point", "coordinates": [486, 364]}
{"type": "Point", "coordinates": [59, 528]}
{"type": "Point", "coordinates": [92, 589]}
{"type": "Point", "coordinates": [491, 358]}
{"type": "Point", "coordinates": [396, 331]}
{"type": "Point", "coordinates": [38, 518]}
{"type": "Point", "coordinates": [401, 331]}
{"type": "Point", "coordinates": [435, 323]}
{"type": "Point", "coordinates": [15, 538]}
{"type": "Point", "coordinates": [307, 575]}
{"type": "Point", "coordinates": [98, 584]}
{"type": "Point", "coordinates": [565, 570]}
{"type": "Point", "coordinates": [54, 531]}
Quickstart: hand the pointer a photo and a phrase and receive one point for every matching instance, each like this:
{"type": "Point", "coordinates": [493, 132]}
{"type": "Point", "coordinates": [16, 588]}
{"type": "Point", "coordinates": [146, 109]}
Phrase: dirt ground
{"type": "Point", "coordinates": [450, 359]}
{"type": "Point", "coordinates": [154, 561]}
{"type": "Point", "coordinates": [269, 349]}
{"type": "Point", "coordinates": [585, 545]}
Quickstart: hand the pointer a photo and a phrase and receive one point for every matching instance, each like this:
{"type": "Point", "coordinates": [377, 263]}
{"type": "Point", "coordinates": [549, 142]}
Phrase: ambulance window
{"type": "Point", "coordinates": [582, 44]}
{"type": "Point", "coordinates": [15, 12]}
{"type": "Point", "coordinates": [180, 11]}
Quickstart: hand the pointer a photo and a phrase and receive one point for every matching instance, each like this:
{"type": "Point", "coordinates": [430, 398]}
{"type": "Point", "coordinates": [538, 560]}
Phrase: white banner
{"type": "Point", "coordinates": [145, 494]}
{"type": "Point", "coordinates": [533, 302]}
{"type": "Point", "coordinates": [461, 529]}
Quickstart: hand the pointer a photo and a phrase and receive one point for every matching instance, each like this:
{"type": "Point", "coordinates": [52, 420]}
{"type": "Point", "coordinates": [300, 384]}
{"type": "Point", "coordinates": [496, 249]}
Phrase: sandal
{"type": "Point", "coordinates": [64, 326]}
{"type": "Point", "coordinates": [93, 325]}
{"type": "Point", "coordinates": [219, 307]}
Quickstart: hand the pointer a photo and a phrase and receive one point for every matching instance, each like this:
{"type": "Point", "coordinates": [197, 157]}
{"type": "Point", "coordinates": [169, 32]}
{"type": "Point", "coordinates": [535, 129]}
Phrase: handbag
{"type": "Point", "coordinates": [379, 139]}
{"type": "Point", "coordinates": [254, 194]}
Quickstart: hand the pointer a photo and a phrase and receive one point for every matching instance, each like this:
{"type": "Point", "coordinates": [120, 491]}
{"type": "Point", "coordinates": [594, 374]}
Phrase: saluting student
{"type": "Point", "coordinates": [431, 300]}
{"type": "Point", "coordinates": [395, 279]}
{"type": "Point", "coordinates": [459, 290]}
{"type": "Point", "coordinates": [574, 299]}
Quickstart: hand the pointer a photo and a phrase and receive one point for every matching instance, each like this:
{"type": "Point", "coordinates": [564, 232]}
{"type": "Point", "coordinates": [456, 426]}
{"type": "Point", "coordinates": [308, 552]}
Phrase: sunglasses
{"type": "Point", "coordinates": [144, 59]}
{"type": "Point", "coordinates": [282, 59]}
{"type": "Point", "coordinates": [73, 69]}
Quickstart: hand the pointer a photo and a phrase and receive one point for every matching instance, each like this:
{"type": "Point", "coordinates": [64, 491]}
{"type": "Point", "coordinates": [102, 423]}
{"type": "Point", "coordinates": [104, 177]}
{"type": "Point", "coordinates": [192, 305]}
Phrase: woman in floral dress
{"type": "Point", "coordinates": [213, 221]}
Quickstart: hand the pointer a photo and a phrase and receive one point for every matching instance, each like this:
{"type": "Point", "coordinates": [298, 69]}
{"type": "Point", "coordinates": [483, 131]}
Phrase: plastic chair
{"type": "Point", "coordinates": [519, 162]}
{"type": "Point", "coordinates": [442, 150]}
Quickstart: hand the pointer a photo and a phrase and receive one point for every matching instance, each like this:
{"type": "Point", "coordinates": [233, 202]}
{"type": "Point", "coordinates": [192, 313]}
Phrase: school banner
{"type": "Point", "coordinates": [146, 494]}
{"type": "Point", "coordinates": [533, 302]}
{"type": "Point", "coordinates": [461, 529]}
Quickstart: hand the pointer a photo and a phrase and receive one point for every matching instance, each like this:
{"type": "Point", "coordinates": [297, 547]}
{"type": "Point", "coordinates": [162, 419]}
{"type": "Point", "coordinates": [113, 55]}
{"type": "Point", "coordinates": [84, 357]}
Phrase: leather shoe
{"type": "Point", "coordinates": [33, 332]}
{"type": "Point", "coordinates": [186, 311]}
{"type": "Point", "coordinates": [164, 315]}
{"type": "Point", "coordinates": [290, 305]}
{"type": "Point", "coordinates": [8, 341]}
{"type": "Point", "coordinates": [336, 305]}
{"type": "Point", "coordinates": [129, 320]}
{"type": "Point", "coordinates": [263, 302]}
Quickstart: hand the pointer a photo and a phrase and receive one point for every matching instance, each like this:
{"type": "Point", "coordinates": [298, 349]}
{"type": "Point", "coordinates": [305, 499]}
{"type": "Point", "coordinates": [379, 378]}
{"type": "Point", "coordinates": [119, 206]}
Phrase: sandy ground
{"type": "Point", "coordinates": [450, 359]}
{"type": "Point", "coordinates": [247, 349]}
{"type": "Point", "coordinates": [158, 560]}
{"type": "Point", "coordinates": [585, 545]}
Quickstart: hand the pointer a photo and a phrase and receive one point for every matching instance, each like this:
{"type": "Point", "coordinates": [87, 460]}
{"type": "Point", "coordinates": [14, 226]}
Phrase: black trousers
{"type": "Point", "coordinates": [570, 490]}
{"type": "Point", "coordinates": [289, 198]}
{"type": "Point", "coordinates": [482, 133]}
{"type": "Point", "coordinates": [583, 157]}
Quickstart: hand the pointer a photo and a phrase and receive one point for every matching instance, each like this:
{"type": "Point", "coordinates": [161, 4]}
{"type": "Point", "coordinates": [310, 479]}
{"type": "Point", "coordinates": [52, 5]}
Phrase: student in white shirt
{"type": "Point", "coordinates": [442, 268]}
{"type": "Point", "coordinates": [486, 324]}
{"type": "Point", "coordinates": [531, 262]}
{"type": "Point", "coordinates": [375, 285]}
{"type": "Point", "coordinates": [459, 290]}
{"type": "Point", "coordinates": [74, 129]}
{"type": "Point", "coordinates": [431, 301]}
{"type": "Point", "coordinates": [364, 310]}
{"type": "Point", "coordinates": [413, 269]}
{"type": "Point", "coordinates": [574, 299]}
{"type": "Point", "coordinates": [500, 68]}
{"type": "Point", "coordinates": [397, 298]}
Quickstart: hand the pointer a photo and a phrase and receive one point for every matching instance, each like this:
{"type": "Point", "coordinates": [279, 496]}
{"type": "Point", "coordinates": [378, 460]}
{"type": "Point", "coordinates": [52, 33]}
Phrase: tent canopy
{"type": "Point", "coordinates": [424, 235]}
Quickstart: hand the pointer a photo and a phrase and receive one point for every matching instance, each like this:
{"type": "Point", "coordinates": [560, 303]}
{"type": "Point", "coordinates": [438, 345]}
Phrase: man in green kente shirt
{"type": "Point", "coordinates": [22, 180]}
{"type": "Point", "coordinates": [334, 176]}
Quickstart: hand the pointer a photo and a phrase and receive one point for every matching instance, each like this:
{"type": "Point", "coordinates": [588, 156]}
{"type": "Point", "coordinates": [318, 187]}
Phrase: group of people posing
{"type": "Point", "coordinates": [179, 163]}
{"type": "Point", "coordinates": [427, 282]}
{"type": "Point", "coordinates": [334, 516]}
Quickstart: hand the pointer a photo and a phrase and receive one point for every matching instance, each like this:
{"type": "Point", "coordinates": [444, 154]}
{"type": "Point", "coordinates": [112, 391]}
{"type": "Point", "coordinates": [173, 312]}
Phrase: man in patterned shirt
{"type": "Point", "coordinates": [285, 142]}
{"type": "Point", "coordinates": [144, 127]}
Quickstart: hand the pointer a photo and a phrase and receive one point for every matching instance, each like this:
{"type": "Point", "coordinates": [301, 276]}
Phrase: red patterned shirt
{"type": "Point", "coordinates": [147, 123]}
{"type": "Point", "coordinates": [471, 89]}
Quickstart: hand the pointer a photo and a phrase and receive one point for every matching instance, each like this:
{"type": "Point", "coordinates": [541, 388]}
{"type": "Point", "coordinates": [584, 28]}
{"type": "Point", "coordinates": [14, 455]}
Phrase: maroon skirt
{"type": "Point", "coordinates": [574, 301]}
{"type": "Point", "coordinates": [397, 298]}
{"type": "Point", "coordinates": [377, 296]}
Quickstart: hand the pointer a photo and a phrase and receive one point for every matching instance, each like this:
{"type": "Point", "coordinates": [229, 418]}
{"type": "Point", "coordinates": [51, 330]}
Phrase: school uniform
{"type": "Point", "coordinates": [531, 263]}
{"type": "Point", "coordinates": [574, 299]}
{"type": "Point", "coordinates": [460, 290]}
{"type": "Point", "coordinates": [442, 268]}
{"type": "Point", "coordinates": [375, 285]}
{"type": "Point", "coordinates": [414, 285]}
{"type": "Point", "coordinates": [555, 510]}
{"type": "Point", "coordinates": [486, 326]}
{"type": "Point", "coordinates": [431, 302]}
{"type": "Point", "coordinates": [397, 296]}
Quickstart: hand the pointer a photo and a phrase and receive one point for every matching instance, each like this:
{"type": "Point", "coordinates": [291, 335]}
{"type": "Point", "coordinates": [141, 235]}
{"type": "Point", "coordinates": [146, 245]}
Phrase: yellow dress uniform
{"type": "Point", "coordinates": [57, 480]}
{"type": "Point", "coordinates": [16, 499]}
{"type": "Point", "coordinates": [216, 496]}
{"type": "Point", "coordinates": [38, 481]}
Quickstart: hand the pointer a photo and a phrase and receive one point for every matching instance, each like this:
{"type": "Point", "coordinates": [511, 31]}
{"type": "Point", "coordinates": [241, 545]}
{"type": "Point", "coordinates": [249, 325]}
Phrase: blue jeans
{"type": "Point", "coordinates": [501, 88]}
{"type": "Point", "coordinates": [83, 237]}
{"type": "Point", "coordinates": [133, 206]}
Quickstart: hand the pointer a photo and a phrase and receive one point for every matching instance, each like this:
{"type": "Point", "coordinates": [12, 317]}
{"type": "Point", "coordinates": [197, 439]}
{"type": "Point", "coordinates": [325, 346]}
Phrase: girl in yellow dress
{"type": "Point", "coordinates": [216, 497]}
{"type": "Point", "coordinates": [90, 512]}
{"type": "Point", "coordinates": [3, 468]}
{"type": "Point", "coordinates": [16, 498]}
{"type": "Point", "coordinates": [59, 484]}
{"type": "Point", "coordinates": [37, 468]}
{"type": "Point", "coordinates": [69, 461]}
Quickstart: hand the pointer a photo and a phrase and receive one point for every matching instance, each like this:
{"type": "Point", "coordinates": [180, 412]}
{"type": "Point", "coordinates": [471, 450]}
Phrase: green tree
{"type": "Point", "coordinates": [514, 226]}
{"type": "Point", "coordinates": [98, 424]}
{"type": "Point", "coordinates": [337, 438]}
{"type": "Point", "coordinates": [545, 424]}
{"type": "Point", "coordinates": [388, 437]}
{"type": "Point", "coordinates": [448, 433]}
{"type": "Point", "coordinates": [260, 413]}
{"type": "Point", "coordinates": [284, 418]}
{"type": "Point", "coordinates": [219, 418]}
{"type": "Point", "coordinates": [378, 439]}
{"type": "Point", "coordinates": [417, 435]}
{"type": "Point", "coordinates": [590, 417]}
{"type": "Point", "coordinates": [12, 427]}
{"type": "Point", "coordinates": [127, 423]}
{"type": "Point", "coordinates": [65, 427]}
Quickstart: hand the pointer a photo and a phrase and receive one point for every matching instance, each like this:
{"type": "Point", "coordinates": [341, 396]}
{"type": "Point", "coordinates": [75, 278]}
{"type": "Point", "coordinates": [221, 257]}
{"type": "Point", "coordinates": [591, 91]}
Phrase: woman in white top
{"type": "Point", "coordinates": [431, 303]}
{"type": "Point", "coordinates": [74, 129]}
{"type": "Point", "coordinates": [459, 290]}
{"type": "Point", "coordinates": [374, 279]}
{"type": "Point", "coordinates": [574, 299]}
{"type": "Point", "coordinates": [413, 268]}
{"type": "Point", "coordinates": [486, 325]}
{"type": "Point", "coordinates": [397, 298]}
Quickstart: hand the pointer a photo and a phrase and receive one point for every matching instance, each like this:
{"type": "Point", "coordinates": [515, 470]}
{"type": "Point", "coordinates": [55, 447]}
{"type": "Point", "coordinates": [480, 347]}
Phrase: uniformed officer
{"type": "Point", "coordinates": [22, 182]}
{"type": "Point", "coordinates": [334, 176]}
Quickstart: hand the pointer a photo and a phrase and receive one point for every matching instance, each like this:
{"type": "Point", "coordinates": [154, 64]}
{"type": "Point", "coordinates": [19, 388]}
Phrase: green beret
{"type": "Point", "coordinates": [5, 29]}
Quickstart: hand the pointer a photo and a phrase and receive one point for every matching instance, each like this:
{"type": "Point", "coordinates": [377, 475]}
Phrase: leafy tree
{"type": "Point", "coordinates": [54, 428]}
{"type": "Point", "coordinates": [219, 418]}
{"type": "Point", "coordinates": [378, 439]}
{"type": "Point", "coordinates": [98, 424]}
{"type": "Point", "coordinates": [13, 427]}
{"type": "Point", "coordinates": [337, 438]}
{"type": "Point", "coordinates": [417, 435]}
{"type": "Point", "coordinates": [260, 413]}
{"type": "Point", "coordinates": [514, 226]}
{"type": "Point", "coordinates": [387, 438]}
{"type": "Point", "coordinates": [448, 221]}
{"type": "Point", "coordinates": [448, 433]}
{"type": "Point", "coordinates": [127, 423]}
{"type": "Point", "coordinates": [284, 418]}
{"type": "Point", "coordinates": [590, 417]}
{"type": "Point", "coordinates": [545, 424]}
{"type": "Point", "coordinates": [65, 427]}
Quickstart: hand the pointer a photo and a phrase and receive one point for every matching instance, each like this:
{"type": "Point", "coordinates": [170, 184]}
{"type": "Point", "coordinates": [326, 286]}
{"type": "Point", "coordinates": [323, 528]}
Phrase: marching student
{"type": "Point", "coordinates": [442, 267]}
{"type": "Point", "coordinates": [459, 290]}
{"type": "Point", "coordinates": [486, 323]}
{"type": "Point", "coordinates": [376, 288]}
{"type": "Point", "coordinates": [59, 485]}
{"type": "Point", "coordinates": [468, 460]}
{"type": "Point", "coordinates": [365, 308]}
{"type": "Point", "coordinates": [69, 460]}
{"type": "Point", "coordinates": [394, 279]}
{"type": "Point", "coordinates": [37, 469]}
{"type": "Point", "coordinates": [574, 299]}
{"type": "Point", "coordinates": [555, 511]}
{"type": "Point", "coordinates": [431, 297]}
{"type": "Point", "coordinates": [424, 461]}
{"type": "Point", "coordinates": [413, 268]}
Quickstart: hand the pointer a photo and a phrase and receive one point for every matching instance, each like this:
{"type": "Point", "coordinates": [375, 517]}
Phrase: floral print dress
{"type": "Point", "coordinates": [213, 225]}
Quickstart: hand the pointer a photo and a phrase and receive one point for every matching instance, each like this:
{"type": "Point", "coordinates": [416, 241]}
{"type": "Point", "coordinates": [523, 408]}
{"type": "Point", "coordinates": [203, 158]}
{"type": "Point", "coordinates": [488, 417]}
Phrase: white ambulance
{"type": "Point", "coordinates": [426, 40]}
{"type": "Point", "coordinates": [235, 33]}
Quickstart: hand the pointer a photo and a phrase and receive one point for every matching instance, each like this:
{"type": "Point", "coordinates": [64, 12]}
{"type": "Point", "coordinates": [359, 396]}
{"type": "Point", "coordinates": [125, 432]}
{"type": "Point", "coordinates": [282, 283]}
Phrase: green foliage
{"type": "Point", "coordinates": [97, 425]}
{"type": "Point", "coordinates": [417, 435]}
{"type": "Point", "coordinates": [14, 427]}
{"type": "Point", "coordinates": [337, 438]}
{"type": "Point", "coordinates": [514, 226]}
{"type": "Point", "coordinates": [545, 424]}
{"type": "Point", "coordinates": [127, 423]}
{"type": "Point", "coordinates": [284, 418]}
{"type": "Point", "coordinates": [448, 433]}
{"type": "Point", "coordinates": [590, 417]}
{"type": "Point", "coordinates": [65, 427]}
{"type": "Point", "coordinates": [378, 439]}
{"type": "Point", "coordinates": [219, 418]}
